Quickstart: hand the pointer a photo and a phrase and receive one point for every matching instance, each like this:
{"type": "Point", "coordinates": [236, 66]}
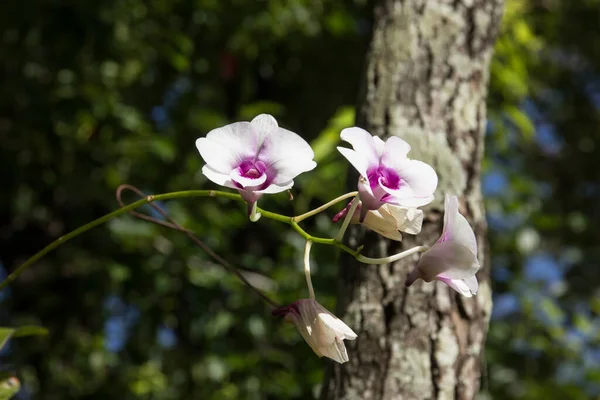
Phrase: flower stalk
{"type": "Point", "coordinates": [311, 291]}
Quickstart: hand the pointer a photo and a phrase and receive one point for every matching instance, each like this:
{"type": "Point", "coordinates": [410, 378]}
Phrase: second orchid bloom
{"type": "Point", "coordinates": [387, 175]}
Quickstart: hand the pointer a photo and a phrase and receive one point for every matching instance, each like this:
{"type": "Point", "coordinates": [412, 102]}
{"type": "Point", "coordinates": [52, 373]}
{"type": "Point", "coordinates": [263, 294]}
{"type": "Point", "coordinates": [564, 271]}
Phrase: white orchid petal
{"type": "Point", "coordinates": [217, 177]}
{"type": "Point", "coordinates": [358, 160]}
{"type": "Point", "coordinates": [336, 351]}
{"type": "Point", "coordinates": [286, 169]}
{"type": "Point", "coordinates": [405, 197]}
{"type": "Point", "coordinates": [336, 325]}
{"type": "Point", "coordinates": [450, 212]}
{"type": "Point", "coordinates": [472, 284]}
{"type": "Point", "coordinates": [264, 124]}
{"type": "Point", "coordinates": [276, 188]}
{"type": "Point", "coordinates": [452, 260]}
{"type": "Point", "coordinates": [226, 147]}
{"type": "Point", "coordinates": [421, 178]}
{"type": "Point", "coordinates": [462, 233]}
{"type": "Point", "coordinates": [287, 154]}
{"type": "Point", "coordinates": [379, 146]}
{"type": "Point", "coordinates": [459, 285]}
{"type": "Point", "coordinates": [246, 182]}
{"type": "Point", "coordinates": [363, 143]}
{"type": "Point", "coordinates": [395, 152]}
{"type": "Point", "coordinates": [413, 222]}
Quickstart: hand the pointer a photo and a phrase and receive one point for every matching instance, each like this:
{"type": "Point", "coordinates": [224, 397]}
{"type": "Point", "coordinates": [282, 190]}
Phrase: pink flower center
{"type": "Point", "coordinates": [252, 169]}
{"type": "Point", "coordinates": [383, 176]}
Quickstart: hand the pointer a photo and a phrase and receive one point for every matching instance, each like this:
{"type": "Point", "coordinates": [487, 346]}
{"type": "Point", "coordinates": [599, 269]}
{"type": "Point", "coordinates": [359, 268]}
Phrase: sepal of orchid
{"type": "Point", "coordinates": [389, 220]}
{"type": "Point", "coordinates": [453, 258]}
{"type": "Point", "coordinates": [324, 332]}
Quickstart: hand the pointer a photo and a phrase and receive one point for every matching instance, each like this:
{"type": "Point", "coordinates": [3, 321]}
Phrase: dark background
{"type": "Point", "coordinates": [96, 94]}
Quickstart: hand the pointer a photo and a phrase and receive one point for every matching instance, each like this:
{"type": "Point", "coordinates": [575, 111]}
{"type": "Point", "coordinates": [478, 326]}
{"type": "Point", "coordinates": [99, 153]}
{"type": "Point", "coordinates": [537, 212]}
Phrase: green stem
{"type": "Point", "coordinates": [325, 206]}
{"type": "Point", "coordinates": [392, 258]}
{"type": "Point", "coordinates": [159, 197]}
{"type": "Point", "coordinates": [340, 236]}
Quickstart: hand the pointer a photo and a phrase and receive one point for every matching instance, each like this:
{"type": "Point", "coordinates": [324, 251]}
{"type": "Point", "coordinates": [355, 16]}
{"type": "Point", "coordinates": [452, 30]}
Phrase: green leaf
{"type": "Point", "coordinates": [521, 121]}
{"type": "Point", "coordinates": [30, 330]}
{"type": "Point", "coordinates": [5, 334]}
{"type": "Point", "coordinates": [327, 140]}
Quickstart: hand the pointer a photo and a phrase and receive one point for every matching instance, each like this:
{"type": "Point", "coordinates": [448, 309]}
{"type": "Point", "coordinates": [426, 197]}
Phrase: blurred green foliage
{"type": "Point", "coordinates": [542, 193]}
{"type": "Point", "coordinates": [96, 94]}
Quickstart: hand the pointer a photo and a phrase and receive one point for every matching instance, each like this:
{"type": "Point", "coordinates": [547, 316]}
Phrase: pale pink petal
{"type": "Point", "coordinates": [421, 178]}
{"type": "Point", "coordinates": [287, 169]}
{"type": "Point", "coordinates": [472, 284]}
{"type": "Point", "coordinates": [363, 143]}
{"type": "Point", "coordinates": [450, 213]}
{"type": "Point", "coordinates": [413, 221]}
{"type": "Point", "coordinates": [405, 197]}
{"type": "Point", "coordinates": [245, 181]}
{"type": "Point", "coordinates": [264, 124]}
{"type": "Point", "coordinates": [457, 284]}
{"type": "Point", "coordinates": [336, 351]}
{"type": "Point", "coordinates": [286, 155]}
{"type": "Point", "coordinates": [226, 147]}
{"type": "Point", "coordinates": [217, 177]}
{"type": "Point", "coordinates": [379, 147]}
{"type": "Point", "coordinates": [358, 160]}
{"type": "Point", "coordinates": [334, 324]}
{"type": "Point", "coordinates": [250, 197]}
{"type": "Point", "coordinates": [458, 228]}
{"type": "Point", "coordinates": [395, 151]}
{"type": "Point", "coordinates": [276, 188]}
{"type": "Point", "coordinates": [382, 222]}
{"type": "Point", "coordinates": [452, 260]}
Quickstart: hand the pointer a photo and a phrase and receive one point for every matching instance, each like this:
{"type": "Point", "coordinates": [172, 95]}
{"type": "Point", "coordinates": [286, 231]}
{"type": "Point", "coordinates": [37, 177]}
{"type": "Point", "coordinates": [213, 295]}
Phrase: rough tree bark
{"type": "Point", "coordinates": [426, 82]}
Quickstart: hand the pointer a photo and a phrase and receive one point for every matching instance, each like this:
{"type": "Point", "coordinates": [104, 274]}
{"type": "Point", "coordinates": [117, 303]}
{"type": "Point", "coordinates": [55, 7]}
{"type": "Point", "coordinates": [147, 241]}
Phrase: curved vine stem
{"type": "Point", "coordinates": [168, 196]}
{"type": "Point", "coordinates": [172, 224]}
{"type": "Point", "coordinates": [324, 207]}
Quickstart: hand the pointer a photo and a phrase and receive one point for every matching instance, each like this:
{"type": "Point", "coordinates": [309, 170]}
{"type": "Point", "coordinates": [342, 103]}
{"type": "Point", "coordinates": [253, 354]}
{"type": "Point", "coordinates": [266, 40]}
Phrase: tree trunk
{"type": "Point", "coordinates": [426, 82]}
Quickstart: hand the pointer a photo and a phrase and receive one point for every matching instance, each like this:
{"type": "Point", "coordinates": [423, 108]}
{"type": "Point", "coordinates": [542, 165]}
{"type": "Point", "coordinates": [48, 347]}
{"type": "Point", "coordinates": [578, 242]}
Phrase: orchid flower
{"type": "Point", "coordinates": [388, 220]}
{"type": "Point", "coordinates": [453, 258]}
{"type": "Point", "coordinates": [324, 332]}
{"type": "Point", "coordinates": [387, 175]}
{"type": "Point", "coordinates": [255, 157]}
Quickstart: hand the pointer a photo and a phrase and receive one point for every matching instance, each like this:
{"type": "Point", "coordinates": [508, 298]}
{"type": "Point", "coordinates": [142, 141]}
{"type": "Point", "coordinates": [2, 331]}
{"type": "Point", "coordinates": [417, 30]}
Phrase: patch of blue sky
{"type": "Point", "coordinates": [504, 305]}
{"type": "Point", "coordinates": [4, 293]}
{"type": "Point", "coordinates": [166, 337]}
{"type": "Point", "coordinates": [494, 182]}
{"type": "Point", "coordinates": [500, 270]}
{"type": "Point", "coordinates": [160, 114]}
{"type": "Point", "coordinates": [122, 317]}
{"type": "Point", "coordinates": [500, 221]}
{"type": "Point", "coordinates": [547, 138]}
{"type": "Point", "coordinates": [545, 268]}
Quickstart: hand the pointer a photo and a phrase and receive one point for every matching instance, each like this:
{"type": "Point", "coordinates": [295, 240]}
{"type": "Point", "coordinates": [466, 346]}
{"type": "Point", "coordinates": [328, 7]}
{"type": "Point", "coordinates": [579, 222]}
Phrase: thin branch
{"type": "Point", "coordinates": [172, 224]}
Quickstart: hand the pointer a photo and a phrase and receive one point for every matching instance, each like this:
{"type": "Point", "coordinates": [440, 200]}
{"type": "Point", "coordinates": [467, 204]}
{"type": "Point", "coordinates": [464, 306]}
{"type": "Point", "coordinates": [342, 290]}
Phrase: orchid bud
{"type": "Point", "coordinates": [324, 332]}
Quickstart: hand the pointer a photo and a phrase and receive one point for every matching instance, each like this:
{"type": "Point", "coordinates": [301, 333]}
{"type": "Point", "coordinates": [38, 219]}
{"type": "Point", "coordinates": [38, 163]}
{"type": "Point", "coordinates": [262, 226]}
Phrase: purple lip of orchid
{"type": "Point", "coordinates": [380, 177]}
{"type": "Point", "coordinates": [253, 170]}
